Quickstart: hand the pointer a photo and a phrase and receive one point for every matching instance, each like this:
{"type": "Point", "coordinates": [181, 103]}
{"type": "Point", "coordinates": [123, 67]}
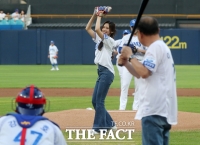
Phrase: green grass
{"type": "Point", "coordinates": [189, 104]}
{"type": "Point", "coordinates": [77, 76]}
{"type": "Point", "coordinates": [186, 104]}
{"type": "Point", "coordinates": [74, 76]}
{"type": "Point", "coordinates": [176, 138]}
{"type": "Point", "coordinates": [67, 103]}
{"type": "Point", "coordinates": [185, 137]}
{"type": "Point", "coordinates": [188, 76]}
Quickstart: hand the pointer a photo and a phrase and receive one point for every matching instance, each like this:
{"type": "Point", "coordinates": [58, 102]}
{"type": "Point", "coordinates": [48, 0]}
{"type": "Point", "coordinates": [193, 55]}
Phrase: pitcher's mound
{"type": "Point", "coordinates": [83, 119]}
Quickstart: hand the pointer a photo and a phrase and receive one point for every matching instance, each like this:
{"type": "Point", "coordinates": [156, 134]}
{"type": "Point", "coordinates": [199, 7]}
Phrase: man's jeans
{"type": "Point", "coordinates": [155, 130]}
{"type": "Point", "coordinates": [102, 119]}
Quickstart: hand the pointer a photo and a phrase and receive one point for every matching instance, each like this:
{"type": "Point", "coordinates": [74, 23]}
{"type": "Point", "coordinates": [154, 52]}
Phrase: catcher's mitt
{"type": "Point", "coordinates": [102, 10]}
{"type": "Point", "coordinates": [55, 57]}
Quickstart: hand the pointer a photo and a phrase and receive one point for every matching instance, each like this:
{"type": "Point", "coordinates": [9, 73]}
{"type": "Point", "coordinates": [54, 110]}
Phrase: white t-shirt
{"type": "Point", "coordinates": [15, 16]}
{"type": "Point", "coordinates": [103, 57]}
{"type": "Point", "coordinates": [53, 50]}
{"type": "Point", "coordinates": [2, 15]}
{"type": "Point", "coordinates": [159, 95]}
{"type": "Point", "coordinates": [42, 132]}
{"type": "Point", "coordinates": [136, 43]}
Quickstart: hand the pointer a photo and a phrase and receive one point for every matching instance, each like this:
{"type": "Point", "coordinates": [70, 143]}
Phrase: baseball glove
{"type": "Point", "coordinates": [102, 10]}
{"type": "Point", "coordinates": [133, 48]}
{"type": "Point", "coordinates": [55, 57]}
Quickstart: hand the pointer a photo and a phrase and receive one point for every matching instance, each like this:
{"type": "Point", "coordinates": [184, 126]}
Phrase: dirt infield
{"type": "Point", "coordinates": [65, 92]}
{"type": "Point", "coordinates": [83, 118]}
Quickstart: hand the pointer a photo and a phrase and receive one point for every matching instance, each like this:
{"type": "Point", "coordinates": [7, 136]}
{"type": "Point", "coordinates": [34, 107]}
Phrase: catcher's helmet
{"type": "Point", "coordinates": [30, 101]}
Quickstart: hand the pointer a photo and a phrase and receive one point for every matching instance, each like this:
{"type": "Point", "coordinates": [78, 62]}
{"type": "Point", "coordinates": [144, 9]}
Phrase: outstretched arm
{"type": "Point", "coordinates": [88, 27]}
{"type": "Point", "coordinates": [98, 27]}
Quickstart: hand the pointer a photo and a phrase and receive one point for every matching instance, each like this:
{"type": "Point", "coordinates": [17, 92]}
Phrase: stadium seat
{"type": "Point", "coordinates": [4, 25]}
{"type": "Point", "coordinates": [16, 25]}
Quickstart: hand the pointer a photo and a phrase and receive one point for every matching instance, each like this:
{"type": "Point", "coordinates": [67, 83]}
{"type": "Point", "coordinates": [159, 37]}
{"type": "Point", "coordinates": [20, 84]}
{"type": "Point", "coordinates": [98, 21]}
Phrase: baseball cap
{"type": "Point", "coordinates": [52, 41]}
{"type": "Point", "coordinates": [16, 10]}
{"type": "Point", "coordinates": [132, 22]}
{"type": "Point", "coordinates": [126, 32]}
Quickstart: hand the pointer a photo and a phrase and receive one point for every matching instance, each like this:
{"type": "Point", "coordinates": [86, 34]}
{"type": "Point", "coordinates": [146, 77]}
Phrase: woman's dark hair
{"type": "Point", "coordinates": [112, 32]}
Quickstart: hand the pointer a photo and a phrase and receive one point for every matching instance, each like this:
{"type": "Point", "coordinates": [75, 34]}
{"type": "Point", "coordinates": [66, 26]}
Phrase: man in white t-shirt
{"type": "Point", "coordinates": [27, 126]}
{"type": "Point", "coordinates": [158, 101]}
{"type": "Point", "coordinates": [2, 15]}
{"type": "Point", "coordinates": [53, 55]}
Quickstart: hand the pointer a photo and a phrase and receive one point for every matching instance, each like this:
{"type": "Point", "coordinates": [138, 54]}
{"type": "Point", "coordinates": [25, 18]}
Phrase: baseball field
{"type": "Point", "coordinates": [69, 91]}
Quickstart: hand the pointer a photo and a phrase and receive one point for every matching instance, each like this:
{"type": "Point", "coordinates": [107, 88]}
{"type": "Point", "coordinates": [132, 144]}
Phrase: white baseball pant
{"type": "Point", "coordinates": [120, 69]}
{"type": "Point", "coordinates": [53, 60]}
{"type": "Point", "coordinates": [125, 80]}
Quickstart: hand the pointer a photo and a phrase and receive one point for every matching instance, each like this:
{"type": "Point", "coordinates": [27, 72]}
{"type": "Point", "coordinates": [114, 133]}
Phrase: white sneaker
{"type": "Point", "coordinates": [53, 69]}
{"type": "Point", "coordinates": [93, 132]}
{"type": "Point", "coordinates": [114, 128]}
{"type": "Point", "coordinates": [57, 68]}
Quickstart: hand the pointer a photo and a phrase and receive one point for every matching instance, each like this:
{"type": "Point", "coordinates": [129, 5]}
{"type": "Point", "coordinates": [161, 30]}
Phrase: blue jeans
{"type": "Point", "coordinates": [155, 130]}
{"type": "Point", "coordinates": [102, 119]}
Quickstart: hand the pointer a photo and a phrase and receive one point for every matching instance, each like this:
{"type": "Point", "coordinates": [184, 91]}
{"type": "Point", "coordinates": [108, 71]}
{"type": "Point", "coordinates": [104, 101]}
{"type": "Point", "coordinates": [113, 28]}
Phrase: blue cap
{"type": "Point", "coordinates": [16, 10]}
{"type": "Point", "coordinates": [132, 22]}
{"type": "Point", "coordinates": [126, 32]}
{"type": "Point", "coordinates": [52, 41]}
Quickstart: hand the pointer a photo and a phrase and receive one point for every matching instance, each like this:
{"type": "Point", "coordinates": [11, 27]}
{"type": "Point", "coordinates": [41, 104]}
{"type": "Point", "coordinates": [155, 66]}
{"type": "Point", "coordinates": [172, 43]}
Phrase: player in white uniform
{"type": "Point", "coordinates": [53, 54]}
{"type": "Point", "coordinates": [126, 75]}
{"type": "Point", "coordinates": [158, 103]}
{"type": "Point", "coordinates": [117, 44]}
{"type": "Point", "coordinates": [27, 126]}
{"type": "Point", "coordinates": [103, 36]}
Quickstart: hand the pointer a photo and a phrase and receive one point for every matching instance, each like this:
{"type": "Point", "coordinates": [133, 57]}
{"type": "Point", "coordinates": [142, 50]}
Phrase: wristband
{"type": "Point", "coordinates": [131, 57]}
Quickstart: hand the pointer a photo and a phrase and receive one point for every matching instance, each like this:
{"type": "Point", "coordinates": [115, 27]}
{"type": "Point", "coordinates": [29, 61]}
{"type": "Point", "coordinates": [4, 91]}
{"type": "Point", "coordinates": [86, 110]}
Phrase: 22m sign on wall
{"type": "Point", "coordinates": [173, 42]}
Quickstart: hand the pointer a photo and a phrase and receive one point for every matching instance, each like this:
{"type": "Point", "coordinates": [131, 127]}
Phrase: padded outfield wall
{"type": "Point", "coordinates": [76, 46]}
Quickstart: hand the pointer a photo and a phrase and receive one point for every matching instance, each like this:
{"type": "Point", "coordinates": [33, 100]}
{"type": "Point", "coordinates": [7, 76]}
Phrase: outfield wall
{"type": "Point", "coordinates": [76, 46]}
